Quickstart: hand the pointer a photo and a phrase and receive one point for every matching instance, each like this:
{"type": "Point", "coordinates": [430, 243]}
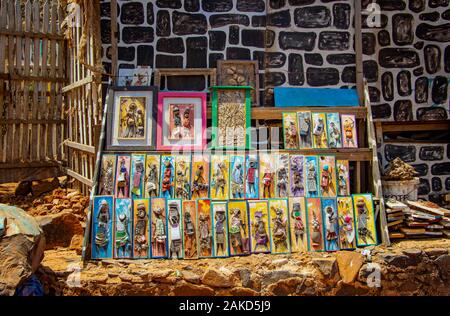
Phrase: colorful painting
{"type": "Point", "coordinates": [205, 230]}
{"type": "Point", "coordinates": [189, 209]}
{"type": "Point", "coordinates": [252, 176]}
{"type": "Point", "coordinates": [102, 227]}
{"type": "Point", "coordinates": [200, 176]}
{"type": "Point", "coordinates": [279, 226]}
{"type": "Point", "coordinates": [312, 175]}
{"type": "Point", "coordinates": [107, 174]}
{"type": "Point", "coordinates": [175, 229]}
{"type": "Point", "coordinates": [137, 176]}
{"type": "Point", "coordinates": [167, 176]}
{"type": "Point", "coordinates": [315, 224]}
{"type": "Point", "coordinates": [159, 228]}
{"type": "Point", "coordinates": [123, 226]}
{"type": "Point", "coordinates": [267, 175]}
{"type": "Point", "coordinates": [290, 131]}
{"type": "Point", "coordinates": [259, 226]}
{"type": "Point", "coordinates": [334, 132]}
{"type": "Point", "coordinates": [327, 176]}
{"type": "Point", "coordinates": [343, 177]}
{"type": "Point", "coordinates": [138, 77]}
{"type": "Point", "coordinates": [220, 228]}
{"type": "Point", "coordinates": [305, 129]}
{"type": "Point", "coordinates": [123, 177]}
{"type": "Point", "coordinates": [297, 224]}
{"type": "Point", "coordinates": [183, 177]}
{"type": "Point", "coordinates": [141, 210]}
{"type": "Point", "coordinates": [319, 133]}
{"type": "Point", "coordinates": [237, 176]}
{"type": "Point", "coordinates": [296, 176]}
{"type": "Point", "coordinates": [282, 187]}
{"type": "Point", "coordinates": [349, 133]}
{"type": "Point", "coordinates": [132, 117]}
{"type": "Point", "coordinates": [220, 175]}
{"type": "Point", "coordinates": [330, 216]}
{"type": "Point", "coordinates": [366, 233]}
{"type": "Point", "coordinates": [347, 235]}
{"type": "Point", "coordinates": [238, 228]}
{"type": "Point", "coordinates": [152, 172]}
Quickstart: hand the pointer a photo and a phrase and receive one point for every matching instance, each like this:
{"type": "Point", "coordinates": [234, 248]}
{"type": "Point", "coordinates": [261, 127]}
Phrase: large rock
{"type": "Point", "coordinates": [21, 248]}
{"type": "Point", "coordinates": [40, 187]}
{"type": "Point", "coordinates": [216, 278]}
{"type": "Point", "coordinates": [349, 263]}
{"type": "Point", "coordinates": [327, 266]}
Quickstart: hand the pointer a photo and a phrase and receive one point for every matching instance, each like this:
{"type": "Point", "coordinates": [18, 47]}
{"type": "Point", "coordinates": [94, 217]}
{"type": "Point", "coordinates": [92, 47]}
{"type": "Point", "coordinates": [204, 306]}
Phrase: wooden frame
{"type": "Point", "coordinates": [171, 72]}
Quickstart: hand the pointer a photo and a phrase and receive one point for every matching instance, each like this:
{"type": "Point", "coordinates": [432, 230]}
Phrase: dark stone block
{"type": "Point", "coordinates": [314, 59]}
{"type": "Point", "coordinates": [279, 18]}
{"type": "Point", "coordinates": [251, 5]}
{"type": "Point", "coordinates": [341, 15]}
{"type": "Point", "coordinates": [384, 38]}
{"type": "Point", "coordinates": [163, 23]}
{"type": "Point", "coordinates": [421, 90]}
{"type": "Point", "coordinates": [105, 31]}
{"type": "Point", "coordinates": [296, 71]}
{"type": "Point", "coordinates": [432, 55]}
{"type": "Point", "coordinates": [398, 58]}
{"type": "Point", "coordinates": [439, 90]}
{"type": "Point", "coordinates": [254, 38]}
{"type": "Point", "coordinates": [438, 3]}
{"type": "Point", "coordinates": [447, 59]}
{"type": "Point", "coordinates": [370, 69]}
{"type": "Point", "coordinates": [419, 45]}
{"type": "Point", "coordinates": [270, 38]}
{"type": "Point", "coordinates": [238, 53]}
{"type": "Point", "coordinates": [166, 61]}
{"type": "Point", "coordinates": [312, 17]}
{"type": "Point", "coordinates": [389, 5]}
{"type": "Point", "coordinates": [173, 45]}
{"type": "Point", "coordinates": [417, 5]}
{"type": "Point", "coordinates": [123, 53]}
{"type": "Point", "coordinates": [217, 40]}
{"type": "Point", "coordinates": [381, 111]}
{"type": "Point", "coordinates": [403, 111]}
{"type": "Point", "coordinates": [275, 60]}
{"type": "Point", "coordinates": [387, 86]}
{"type": "Point", "coordinates": [436, 198]}
{"type": "Point", "coordinates": [334, 40]}
{"type": "Point", "coordinates": [402, 29]}
{"type": "Point", "coordinates": [447, 184]}
{"type": "Point", "coordinates": [383, 20]}
{"type": "Point", "coordinates": [301, 2]}
{"type": "Point", "coordinates": [297, 40]}
{"type": "Point", "coordinates": [441, 169]}
{"type": "Point", "coordinates": [369, 43]}
{"type": "Point", "coordinates": [105, 10]}
{"type": "Point", "coordinates": [196, 48]}
{"type": "Point", "coordinates": [260, 57]}
{"type": "Point", "coordinates": [424, 187]}
{"type": "Point", "coordinates": [213, 58]}
{"type": "Point", "coordinates": [126, 66]}
{"type": "Point", "coordinates": [446, 15]}
{"type": "Point", "coordinates": [277, 4]}
{"type": "Point", "coordinates": [217, 5]}
{"type": "Point", "coordinates": [406, 153]}
{"type": "Point", "coordinates": [435, 33]}
{"type": "Point", "coordinates": [418, 71]}
{"type": "Point", "coordinates": [169, 4]}
{"type": "Point", "coordinates": [317, 77]}
{"type": "Point", "coordinates": [187, 24]}
{"type": "Point", "coordinates": [341, 59]}
{"type": "Point", "coordinates": [145, 55]}
{"type": "Point", "coordinates": [234, 35]}
{"type": "Point", "coordinates": [107, 68]}
{"type": "Point", "coordinates": [431, 153]}
{"type": "Point", "coordinates": [422, 169]}
{"type": "Point", "coordinates": [431, 113]}
{"type": "Point", "coordinates": [186, 83]}
{"type": "Point", "coordinates": [259, 21]}
{"type": "Point", "coordinates": [219, 20]}
{"type": "Point", "coordinates": [431, 17]}
{"type": "Point", "coordinates": [137, 34]}
{"type": "Point", "coordinates": [374, 94]}
{"type": "Point", "coordinates": [349, 74]}
{"type": "Point", "coordinates": [274, 79]}
{"type": "Point", "coordinates": [132, 13]}
{"type": "Point", "coordinates": [404, 83]}
{"type": "Point", "coordinates": [150, 13]}
{"type": "Point", "coordinates": [191, 5]}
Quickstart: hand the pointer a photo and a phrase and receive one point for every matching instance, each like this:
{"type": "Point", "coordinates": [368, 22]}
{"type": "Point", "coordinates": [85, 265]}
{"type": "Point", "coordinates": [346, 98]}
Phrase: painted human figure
{"type": "Point", "coordinates": [102, 233]}
{"type": "Point", "coordinates": [186, 123]}
{"type": "Point", "coordinates": [342, 180]}
{"type": "Point", "coordinates": [282, 183]}
{"type": "Point", "coordinates": [108, 179]}
{"type": "Point", "coordinates": [316, 236]}
{"type": "Point", "coordinates": [267, 184]}
{"type": "Point", "coordinates": [279, 230]}
{"type": "Point", "coordinates": [318, 132]}
{"type": "Point", "coordinates": [260, 232]}
{"type": "Point", "coordinates": [291, 136]}
{"type": "Point", "coordinates": [251, 178]}
{"type": "Point", "coordinates": [176, 117]}
{"type": "Point", "coordinates": [199, 185]}
{"type": "Point", "coordinates": [130, 122]}
{"type": "Point", "coordinates": [335, 136]}
{"type": "Point", "coordinates": [140, 125]}
{"type": "Point", "coordinates": [349, 124]}
{"type": "Point", "coordinates": [237, 181]}
{"type": "Point", "coordinates": [205, 235]}
{"type": "Point", "coordinates": [167, 185]}
{"type": "Point", "coordinates": [326, 179]}
{"type": "Point", "coordinates": [219, 179]}
{"type": "Point", "coordinates": [236, 229]}
{"type": "Point", "coordinates": [299, 227]}
{"type": "Point", "coordinates": [219, 230]}
{"type": "Point", "coordinates": [159, 232]}
{"type": "Point", "coordinates": [331, 236]}
{"type": "Point", "coordinates": [305, 131]}
{"type": "Point", "coordinates": [190, 235]}
{"type": "Point", "coordinates": [346, 230]}
{"type": "Point", "coordinates": [182, 185]}
{"type": "Point", "coordinates": [175, 231]}
{"type": "Point", "coordinates": [140, 230]}
{"type": "Point", "coordinates": [152, 180]}
{"type": "Point", "coordinates": [122, 180]}
{"type": "Point", "coordinates": [122, 235]}
{"type": "Point", "coordinates": [312, 179]}
{"type": "Point", "coordinates": [363, 216]}
{"type": "Point", "coordinates": [137, 178]}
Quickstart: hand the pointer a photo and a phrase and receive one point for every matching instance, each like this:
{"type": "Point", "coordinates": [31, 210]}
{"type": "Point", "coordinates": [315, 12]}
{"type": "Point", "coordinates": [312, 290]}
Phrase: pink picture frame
{"type": "Point", "coordinates": [181, 118]}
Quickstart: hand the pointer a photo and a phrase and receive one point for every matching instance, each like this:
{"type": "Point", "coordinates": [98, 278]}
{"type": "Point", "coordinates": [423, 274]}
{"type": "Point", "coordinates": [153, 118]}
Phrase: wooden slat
{"type": "Point", "coordinates": [32, 35]}
{"type": "Point", "coordinates": [79, 177]}
{"type": "Point", "coordinates": [16, 77]}
{"type": "Point", "coordinates": [80, 147]}
{"type": "Point", "coordinates": [414, 126]}
{"type": "Point", "coordinates": [78, 84]}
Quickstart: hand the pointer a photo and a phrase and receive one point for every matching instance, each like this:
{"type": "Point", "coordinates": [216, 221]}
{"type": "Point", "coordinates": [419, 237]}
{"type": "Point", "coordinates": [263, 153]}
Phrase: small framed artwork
{"type": "Point", "coordinates": [183, 177]}
{"type": "Point", "coordinates": [231, 118]}
{"type": "Point", "coordinates": [349, 133]}
{"type": "Point", "coordinates": [152, 172]}
{"type": "Point", "coordinates": [175, 229]}
{"type": "Point", "coordinates": [237, 176]}
{"type": "Point", "coordinates": [220, 229]}
{"type": "Point", "coordinates": [123, 177]}
{"type": "Point", "coordinates": [181, 121]}
{"type": "Point", "coordinates": [102, 227]}
{"type": "Point", "coordinates": [159, 228]}
{"type": "Point", "coordinates": [290, 131]}
{"type": "Point", "coordinates": [259, 226]}
{"type": "Point", "coordinates": [319, 130]}
{"type": "Point", "coordinates": [366, 232]}
{"type": "Point", "coordinates": [189, 209]}
{"type": "Point", "coordinates": [167, 176]}
{"type": "Point", "coordinates": [330, 215]}
{"type": "Point", "coordinates": [312, 176]}
{"type": "Point", "coordinates": [205, 229]}
{"type": "Point", "coordinates": [305, 129]}
{"type": "Point", "coordinates": [132, 119]}
{"type": "Point", "coordinates": [267, 175]}
{"type": "Point", "coordinates": [200, 176]}
{"type": "Point", "coordinates": [139, 77]}
{"type": "Point", "coordinates": [327, 176]}
{"type": "Point", "coordinates": [347, 236]}
{"type": "Point", "coordinates": [252, 176]}
{"type": "Point", "coordinates": [296, 175]}
{"type": "Point", "coordinates": [343, 177]}
{"type": "Point", "coordinates": [238, 228]}
{"type": "Point", "coordinates": [282, 187]}
{"type": "Point", "coordinates": [220, 175]}
{"type": "Point", "coordinates": [141, 238]}
{"type": "Point", "coordinates": [123, 225]}
{"type": "Point", "coordinates": [279, 226]}
{"type": "Point", "coordinates": [137, 176]}
{"type": "Point", "coordinates": [315, 224]}
{"type": "Point", "coordinates": [107, 175]}
{"type": "Point", "coordinates": [334, 131]}
{"type": "Point", "coordinates": [297, 224]}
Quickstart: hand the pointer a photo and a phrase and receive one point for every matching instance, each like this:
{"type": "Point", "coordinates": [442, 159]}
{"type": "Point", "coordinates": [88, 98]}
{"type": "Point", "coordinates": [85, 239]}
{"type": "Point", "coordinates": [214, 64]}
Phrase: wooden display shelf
{"type": "Point", "coordinates": [416, 126]}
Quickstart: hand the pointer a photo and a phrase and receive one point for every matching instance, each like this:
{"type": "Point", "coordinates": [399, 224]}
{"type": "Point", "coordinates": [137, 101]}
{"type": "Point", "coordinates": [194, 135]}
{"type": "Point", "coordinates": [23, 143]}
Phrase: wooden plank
{"type": "Point", "coordinates": [78, 84]}
{"type": "Point", "coordinates": [11, 64]}
{"type": "Point", "coordinates": [3, 98]}
{"type": "Point", "coordinates": [35, 139]}
{"type": "Point", "coordinates": [79, 177]}
{"type": "Point", "coordinates": [32, 35]}
{"type": "Point", "coordinates": [171, 72]}
{"type": "Point", "coordinates": [26, 72]}
{"type": "Point", "coordinates": [45, 106]}
{"type": "Point", "coordinates": [17, 77]}
{"type": "Point", "coordinates": [414, 126]}
{"type": "Point", "coordinates": [114, 49]}
{"type": "Point", "coordinates": [30, 174]}
{"type": "Point", "coordinates": [81, 147]}
{"type": "Point", "coordinates": [51, 132]}
{"type": "Point", "coordinates": [359, 51]}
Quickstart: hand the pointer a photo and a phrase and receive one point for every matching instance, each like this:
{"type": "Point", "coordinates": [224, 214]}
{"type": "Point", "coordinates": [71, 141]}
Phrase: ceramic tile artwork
{"type": "Point", "coordinates": [347, 235]}
{"type": "Point", "coordinates": [282, 176]}
{"type": "Point", "coordinates": [319, 133]}
{"type": "Point", "coordinates": [205, 230]}
{"type": "Point", "coordinates": [137, 176]}
{"type": "Point", "coordinates": [190, 233]}
{"type": "Point", "coordinates": [290, 130]}
{"type": "Point", "coordinates": [349, 133]}
{"type": "Point", "coordinates": [237, 176]}
{"type": "Point", "coordinates": [122, 186]}
{"type": "Point", "coordinates": [182, 177]}
{"type": "Point", "coordinates": [343, 177]}
{"type": "Point", "coordinates": [238, 228]}
{"type": "Point", "coordinates": [158, 228]}
{"type": "Point", "coordinates": [123, 225]}
{"type": "Point", "coordinates": [220, 228]}
{"type": "Point", "coordinates": [107, 175]}
{"type": "Point", "coordinates": [152, 176]}
{"type": "Point", "coordinates": [251, 176]}
{"type": "Point", "coordinates": [296, 175]}
{"type": "Point", "coordinates": [331, 226]}
{"type": "Point", "coordinates": [259, 226]}
{"type": "Point", "coordinates": [327, 176]}
{"type": "Point", "coordinates": [312, 176]}
{"type": "Point", "coordinates": [267, 174]}
{"type": "Point", "coordinates": [297, 224]}
{"type": "Point", "coordinates": [279, 226]}
{"type": "Point", "coordinates": [102, 227]}
{"type": "Point", "coordinates": [175, 229]}
{"type": "Point", "coordinates": [315, 224]}
{"type": "Point", "coordinates": [220, 175]}
{"type": "Point", "coordinates": [200, 176]}
{"type": "Point", "coordinates": [334, 132]}
{"type": "Point", "coordinates": [366, 234]}
{"type": "Point", "coordinates": [141, 228]}
{"type": "Point", "coordinates": [167, 176]}
{"type": "Point", "coordinates": [305, 129]}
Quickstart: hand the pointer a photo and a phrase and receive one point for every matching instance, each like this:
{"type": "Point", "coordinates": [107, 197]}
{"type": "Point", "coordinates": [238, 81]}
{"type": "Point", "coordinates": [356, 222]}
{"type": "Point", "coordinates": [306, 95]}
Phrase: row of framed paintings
{"type": "Point", "coordinates": [176, 229]}
{"type": "Point", "coordinates": [305, 129]}
{"type": "Point", "coordinates": [221, 177]}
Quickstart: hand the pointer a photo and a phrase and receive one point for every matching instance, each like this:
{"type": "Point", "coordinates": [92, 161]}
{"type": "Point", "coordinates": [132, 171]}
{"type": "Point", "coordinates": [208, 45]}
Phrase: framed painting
{"type": "Point", "coordinates": [297, 224]}
{"type": "Point", "coordinates": [205, 229]}
{"type": "Point", "coordinates": [167, 176]}
{"type": "Point", "coordinates": [239, 73]}
{"type": "Point", "coordinates": [315, 224]}
{"type": "Point", "coordinates": [279, 226]}
{"type": "Point", "coordinates": [349, 133]}
{"type": "Point", "coordinates": [267, 174]}
{"type": "Point", "coordinates": [296, 176]}
{"type": "Point", "coordinates": [330, 216]}
{"type": "Point", "coordinates": [251, 176]}
{"type": "Point", "coordinates": [312, 176]}
{"type": "Point", "coordinates": [190, 242]}
{"type": "Point", "coordinates": [175, 229]}
{"type": "Point", "coordinates": [282, 176]}
{"type": "Point", "coordinates": [102, 227]}
{"type": "Point", "coordinates": [183, 177]}
{"type": "Point", "coordinates": [290, 131]}
{"type": "Point", "coordinates": [141, 228]}
{"type": "Point", "coordinates": [347, 235]}
{"type": "Point", "coordinates": [366, 232]}
{"type": "Point", "coordinates": [132, 119]}
{"type": "Point", "coordinates": [140, 76]}
{"type": "Point", "coordinates": [137, 176]}
{"type": "Point", "coordinates": [152, 175]}
{"type": "Point", "coordinates": [158, 228]}
{"type": "Point", "coordinates": [327, 176]}
{"type": "Point", "coordinates": [200, 176]}
{"type": "Point", "coordinates": [343, 177]}
{"type": "Point", "coordinates": [238, 228]}
{"type": "Point", "coordinates": [220, 229]}
{"type": "Point", "coordinates": [123, 226]}
{"type": "Point", "coordinates": [220, 175]}
{"type": "Point", "coordinates": [181, 121]}
{"type": "Point", "coordinates": [319, 130]}
{"type": "Point", "coordinates": [237, 176]}
{"type": "Point", "coordinates": [305, 129]}
{"type": "Point", "coordinates": [231, 125]}
{"type": "Point", "coordinates": [107, 175]}
{"type": "Point", "coordinates": [259, 226]}
{"type": "Point", "coordinates": [334, 132]}
{"type": "Point", "coordinates": [122, 185]}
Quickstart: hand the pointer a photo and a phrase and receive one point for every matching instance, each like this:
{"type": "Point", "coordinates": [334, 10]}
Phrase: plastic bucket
{"type": "Point", "coordinates": [401, 190]}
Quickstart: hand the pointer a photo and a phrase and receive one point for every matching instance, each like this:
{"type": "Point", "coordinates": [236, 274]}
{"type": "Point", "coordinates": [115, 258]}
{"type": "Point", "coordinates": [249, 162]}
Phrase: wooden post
{"type": "Point", "coordinates": [359, 51]}
{"type": "Point", "coordinates": [114, 65]}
